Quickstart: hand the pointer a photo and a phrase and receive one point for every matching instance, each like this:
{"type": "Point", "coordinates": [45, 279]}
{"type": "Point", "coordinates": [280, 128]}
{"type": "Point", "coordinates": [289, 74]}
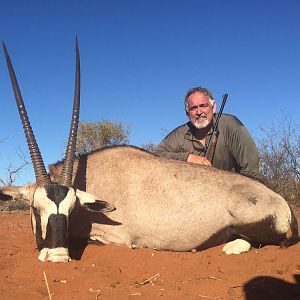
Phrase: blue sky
{"type": "Point", "coordinates": [138, 58]}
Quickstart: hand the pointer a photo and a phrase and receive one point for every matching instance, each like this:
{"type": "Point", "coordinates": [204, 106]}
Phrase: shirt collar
{"type": "Point", "coordinates": [190, 128]}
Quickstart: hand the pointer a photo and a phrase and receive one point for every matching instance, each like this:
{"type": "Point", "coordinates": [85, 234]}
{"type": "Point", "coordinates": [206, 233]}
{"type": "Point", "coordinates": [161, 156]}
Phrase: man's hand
{"type": "Point", "coordinates": [196, 159]}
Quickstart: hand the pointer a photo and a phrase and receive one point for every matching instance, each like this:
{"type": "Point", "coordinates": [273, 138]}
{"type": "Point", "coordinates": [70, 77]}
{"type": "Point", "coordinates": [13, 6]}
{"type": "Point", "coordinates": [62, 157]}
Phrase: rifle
{"type": "Point", "coordinates": [212, 142]}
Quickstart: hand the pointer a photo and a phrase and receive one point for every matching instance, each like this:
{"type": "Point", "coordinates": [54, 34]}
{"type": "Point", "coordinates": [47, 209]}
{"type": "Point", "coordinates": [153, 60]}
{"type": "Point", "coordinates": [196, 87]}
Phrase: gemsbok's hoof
{"type": "Point", "coordinates": [237, 246]}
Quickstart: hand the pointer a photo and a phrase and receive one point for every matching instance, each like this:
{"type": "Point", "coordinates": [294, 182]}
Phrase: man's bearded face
{"type": "Point", "coordinates": [200, 110]}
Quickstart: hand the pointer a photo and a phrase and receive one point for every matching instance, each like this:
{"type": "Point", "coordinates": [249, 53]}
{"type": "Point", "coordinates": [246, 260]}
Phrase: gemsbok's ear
{"type": "Point", "coordinates": [91, 202]}
{"type": "Point", "coordinates": [18, 192]}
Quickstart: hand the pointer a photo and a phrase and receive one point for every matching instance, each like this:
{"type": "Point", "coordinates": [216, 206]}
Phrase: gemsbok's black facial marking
{"type": "Point", "coordinates": [57, 229]}
{"type": "Point", "coordinates": [56, 232]}
{"type": "Point", "coordinates": [57, 193]}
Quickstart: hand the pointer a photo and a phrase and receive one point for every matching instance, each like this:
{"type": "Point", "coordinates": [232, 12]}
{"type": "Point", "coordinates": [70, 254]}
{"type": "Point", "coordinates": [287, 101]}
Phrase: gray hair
{"type": "Point", "coordinates": [202, 90]}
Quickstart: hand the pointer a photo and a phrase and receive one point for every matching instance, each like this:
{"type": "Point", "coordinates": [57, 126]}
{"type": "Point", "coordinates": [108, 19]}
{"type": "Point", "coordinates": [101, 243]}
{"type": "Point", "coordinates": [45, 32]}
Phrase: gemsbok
{"type": "Point", "coordinates": [151, 201]}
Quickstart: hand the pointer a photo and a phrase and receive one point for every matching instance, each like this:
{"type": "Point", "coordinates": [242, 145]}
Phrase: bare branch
{"type": "Point", "coordinates": [13, 171]}
{"type": "Point", "coordinates": [280, 158]}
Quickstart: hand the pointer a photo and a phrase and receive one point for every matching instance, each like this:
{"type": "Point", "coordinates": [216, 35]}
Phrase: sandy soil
{"type": "Point", "coordinates": [115, 272]}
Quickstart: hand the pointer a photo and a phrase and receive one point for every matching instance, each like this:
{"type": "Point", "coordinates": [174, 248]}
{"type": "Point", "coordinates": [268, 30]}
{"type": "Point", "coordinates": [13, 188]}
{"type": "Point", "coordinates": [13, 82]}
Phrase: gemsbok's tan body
{"type": "Point", "coordinates": [172, 205]}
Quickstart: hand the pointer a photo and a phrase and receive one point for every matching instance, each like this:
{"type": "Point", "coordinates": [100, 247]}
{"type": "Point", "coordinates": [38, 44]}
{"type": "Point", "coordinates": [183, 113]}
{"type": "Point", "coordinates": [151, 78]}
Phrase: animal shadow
{"type": "Point", "coordinates": [270, 288]}
{"type": "Point", "coordinates": [80, 228]}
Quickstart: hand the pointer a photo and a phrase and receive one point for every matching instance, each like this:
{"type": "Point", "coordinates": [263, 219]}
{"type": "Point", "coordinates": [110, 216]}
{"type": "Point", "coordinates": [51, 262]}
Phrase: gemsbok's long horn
{"type": "Point", "coordinates": [66, 174]}
{"type": "Point", "coordinates": [42, 178]}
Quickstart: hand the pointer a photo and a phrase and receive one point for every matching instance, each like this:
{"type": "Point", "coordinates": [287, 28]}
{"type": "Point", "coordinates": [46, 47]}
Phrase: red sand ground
{"type": "Point", "coordinates": [115, 272]}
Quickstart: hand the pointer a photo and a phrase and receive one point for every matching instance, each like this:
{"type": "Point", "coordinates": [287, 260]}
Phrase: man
{"type": "Point", "coordinates": [235, 150]}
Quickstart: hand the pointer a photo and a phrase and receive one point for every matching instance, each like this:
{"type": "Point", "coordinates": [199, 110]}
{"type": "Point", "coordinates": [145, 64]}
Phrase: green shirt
{"type": "Point", "coordinates": [235, 150]}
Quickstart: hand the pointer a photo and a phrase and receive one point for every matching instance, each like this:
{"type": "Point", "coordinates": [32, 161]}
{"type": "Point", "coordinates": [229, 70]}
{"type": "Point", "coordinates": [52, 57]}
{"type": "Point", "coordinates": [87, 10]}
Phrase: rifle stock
{"type": "Point", "coordinates": [209, 155]}
{"type": "Point", "coordinates": [211, 146]}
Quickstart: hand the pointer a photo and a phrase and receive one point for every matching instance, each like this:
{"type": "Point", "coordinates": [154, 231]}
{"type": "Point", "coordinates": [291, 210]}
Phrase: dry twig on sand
{"type": "Point", "coordinates": [149, 280]}
{"type": "Point", "coordinates": [49, 294]}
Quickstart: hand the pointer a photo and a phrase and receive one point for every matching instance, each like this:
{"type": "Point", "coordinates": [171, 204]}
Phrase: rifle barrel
{"type": "Point", "coordinates": [220, 111]}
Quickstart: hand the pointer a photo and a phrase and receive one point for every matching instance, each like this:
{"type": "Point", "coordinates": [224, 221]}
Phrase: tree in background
{"type": "Point", "coordinates": [280, 159]}
{"type": "Point", "coordinates": [94, 135]}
